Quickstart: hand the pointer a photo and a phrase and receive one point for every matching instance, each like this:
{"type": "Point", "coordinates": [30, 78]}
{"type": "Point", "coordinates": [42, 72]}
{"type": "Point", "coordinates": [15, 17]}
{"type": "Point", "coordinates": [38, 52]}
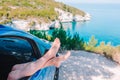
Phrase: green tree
{"type": "Point", "coordinates": [90, 46]}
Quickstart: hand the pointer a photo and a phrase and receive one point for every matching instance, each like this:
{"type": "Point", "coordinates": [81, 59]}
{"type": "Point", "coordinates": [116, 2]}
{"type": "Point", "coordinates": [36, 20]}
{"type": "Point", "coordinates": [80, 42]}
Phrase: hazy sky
{"type": "Point", "coordinates": [91, 1]}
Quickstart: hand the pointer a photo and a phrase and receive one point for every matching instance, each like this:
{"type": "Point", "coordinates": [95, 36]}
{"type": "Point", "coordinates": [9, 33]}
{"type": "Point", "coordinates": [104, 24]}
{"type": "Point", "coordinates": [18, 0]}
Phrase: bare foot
{"type": "Point", "coordinates": [61, 59]}
{"type": "Point", "coordinates": [53, 50]}
{"type": "Point", "coordinates": [56, 61]}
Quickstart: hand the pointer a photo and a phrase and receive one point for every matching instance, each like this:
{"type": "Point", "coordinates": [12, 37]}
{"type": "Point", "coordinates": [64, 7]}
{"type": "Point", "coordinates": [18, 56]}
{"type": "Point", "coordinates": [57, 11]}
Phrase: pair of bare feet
{"type": "Point", "coordinates": [49, 59]}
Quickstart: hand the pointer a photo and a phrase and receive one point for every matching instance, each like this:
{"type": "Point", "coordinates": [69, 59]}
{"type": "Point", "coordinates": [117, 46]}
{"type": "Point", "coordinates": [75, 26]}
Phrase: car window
{"type": "Point", "coordinates": [17, 47]}
{"type": "Point", "coordinates": [43, 46]}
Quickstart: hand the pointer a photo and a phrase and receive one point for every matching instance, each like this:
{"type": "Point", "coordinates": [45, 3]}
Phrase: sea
{"type": "Point", "coordinates": [104, 24]}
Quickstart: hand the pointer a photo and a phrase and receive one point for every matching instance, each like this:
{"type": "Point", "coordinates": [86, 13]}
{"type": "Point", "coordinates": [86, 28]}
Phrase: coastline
{"type": "Point", "coordinates": [33, 24]}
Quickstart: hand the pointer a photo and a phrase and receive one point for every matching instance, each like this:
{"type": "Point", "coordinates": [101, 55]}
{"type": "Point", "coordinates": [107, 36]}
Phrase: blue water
{"type": "Point", "coordinates": [104, 23]}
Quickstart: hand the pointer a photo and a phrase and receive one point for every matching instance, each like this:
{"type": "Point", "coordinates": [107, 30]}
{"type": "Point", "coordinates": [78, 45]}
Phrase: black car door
{"type": "Point", "coordinates": [16, 50]}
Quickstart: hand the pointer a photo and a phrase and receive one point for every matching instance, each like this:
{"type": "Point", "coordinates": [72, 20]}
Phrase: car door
{"type": "Point", "coordinates": [16, 50]}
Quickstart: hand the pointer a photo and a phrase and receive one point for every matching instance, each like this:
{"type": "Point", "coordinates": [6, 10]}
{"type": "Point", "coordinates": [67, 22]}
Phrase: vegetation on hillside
{"type": "Point", "coordinates": [67, 42]}
{"type": "Point", "coordinates": [112, 52]}
{"type": "Point", "coordinates": [26, 9]}
{"type": "Point", "coordinates": [76, 43]}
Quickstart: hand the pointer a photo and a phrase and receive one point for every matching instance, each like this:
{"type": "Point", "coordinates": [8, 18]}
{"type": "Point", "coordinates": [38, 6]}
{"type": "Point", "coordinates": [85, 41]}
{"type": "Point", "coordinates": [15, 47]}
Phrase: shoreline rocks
{"type": "Point", "coordinates": [33, 24]}
{"type": "Point", "coordinates": [65, 16]}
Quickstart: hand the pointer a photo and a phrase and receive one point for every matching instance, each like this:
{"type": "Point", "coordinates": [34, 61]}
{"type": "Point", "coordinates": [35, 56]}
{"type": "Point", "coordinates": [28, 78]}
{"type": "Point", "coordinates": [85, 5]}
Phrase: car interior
{"type": "Point", "coordinates": [6, 63]}
{"type": "Point", "coordinates": [13, 51]}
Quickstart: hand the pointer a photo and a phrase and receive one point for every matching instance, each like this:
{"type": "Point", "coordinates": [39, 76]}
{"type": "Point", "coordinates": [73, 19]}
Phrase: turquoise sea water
{"type": "Point", "coordinates": [104, 23]}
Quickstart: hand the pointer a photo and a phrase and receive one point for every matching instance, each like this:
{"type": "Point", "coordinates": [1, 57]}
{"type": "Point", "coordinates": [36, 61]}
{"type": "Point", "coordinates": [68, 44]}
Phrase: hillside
{"type": "Point", "coordinates": [42, 10]}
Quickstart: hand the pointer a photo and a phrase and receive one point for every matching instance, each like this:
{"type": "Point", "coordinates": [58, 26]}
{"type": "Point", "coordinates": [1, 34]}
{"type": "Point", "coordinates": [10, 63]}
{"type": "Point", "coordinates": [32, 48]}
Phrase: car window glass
{"type": "Point", "coordinates": [17, 47]}
{"type": "Point", "coordinates": [41, 48]}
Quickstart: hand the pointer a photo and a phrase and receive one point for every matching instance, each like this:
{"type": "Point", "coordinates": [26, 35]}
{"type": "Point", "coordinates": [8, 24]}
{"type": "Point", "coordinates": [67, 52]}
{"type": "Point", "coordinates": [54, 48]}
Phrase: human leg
{"type": "Point", "coordinates": [50, 54]}
{"type": "Point", "coordinates": [56, 61]}
{"type": "Point", "coordinates": [30, 68]}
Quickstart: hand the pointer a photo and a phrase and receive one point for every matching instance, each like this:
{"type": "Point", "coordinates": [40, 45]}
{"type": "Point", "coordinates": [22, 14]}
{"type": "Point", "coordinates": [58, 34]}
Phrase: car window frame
{"type": "Point", "coordinates": [36, 51]}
